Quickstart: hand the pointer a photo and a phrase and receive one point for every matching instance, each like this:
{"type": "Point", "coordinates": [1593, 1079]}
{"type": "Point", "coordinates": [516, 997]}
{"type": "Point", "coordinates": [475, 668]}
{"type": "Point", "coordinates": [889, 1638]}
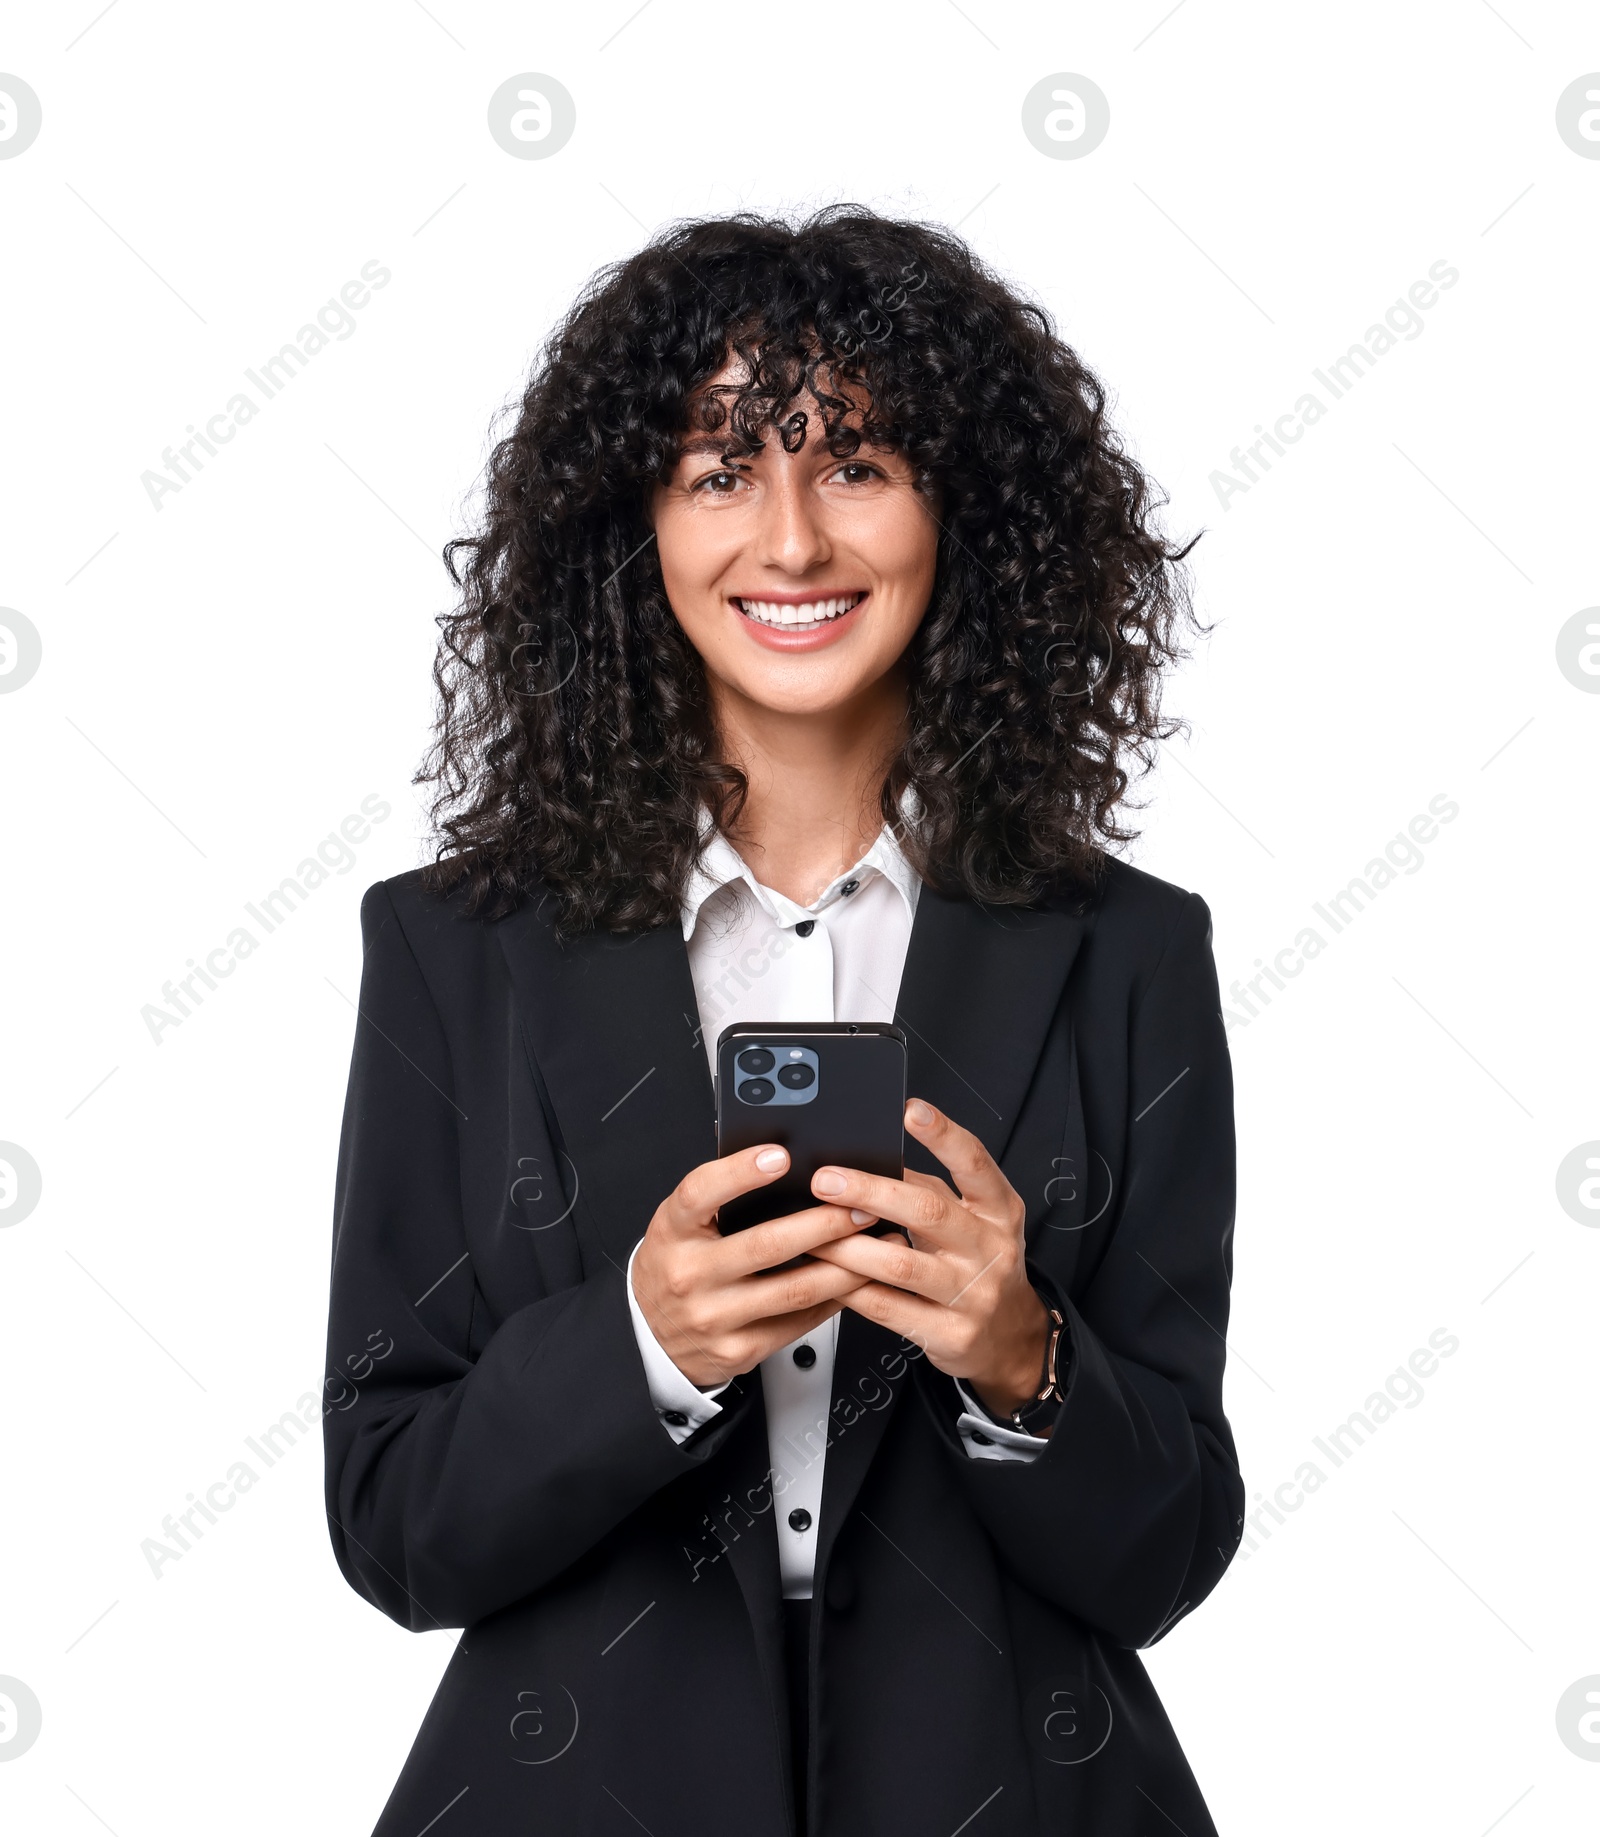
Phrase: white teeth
{"type": "Point", "coordinates": [814, 612]}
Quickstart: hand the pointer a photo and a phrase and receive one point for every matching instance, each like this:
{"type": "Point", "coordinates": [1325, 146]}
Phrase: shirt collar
{"type": "Point", "coordinates": [720, 864]}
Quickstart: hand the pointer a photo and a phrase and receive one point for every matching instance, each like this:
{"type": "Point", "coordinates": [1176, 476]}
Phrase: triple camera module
{"type": "Point", "coordinates": [783, 1074]}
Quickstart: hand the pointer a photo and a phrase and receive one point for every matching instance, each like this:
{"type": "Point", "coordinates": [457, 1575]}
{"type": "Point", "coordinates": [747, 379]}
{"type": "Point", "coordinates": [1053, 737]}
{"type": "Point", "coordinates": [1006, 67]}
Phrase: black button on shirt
{"type": "Point", "coordinates": [849, 887]}
{"type": "Point", "coordinates": [805, 1357]}
{"type": "Point", "coordinates": [675, 1417]}
{"type": "Point", "coordinates": [805, 928]}
{"type": "Point", "coordinates": [799, 1519]}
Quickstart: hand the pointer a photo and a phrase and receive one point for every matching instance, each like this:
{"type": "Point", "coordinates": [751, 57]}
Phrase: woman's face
{"type": "Point", "coordinates": [799, 578]}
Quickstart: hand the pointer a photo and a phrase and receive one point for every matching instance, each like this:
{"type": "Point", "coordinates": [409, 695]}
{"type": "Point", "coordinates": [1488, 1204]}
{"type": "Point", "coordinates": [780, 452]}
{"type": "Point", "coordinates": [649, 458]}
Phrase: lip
{"type": "Point", "coordinates": [781, 638]}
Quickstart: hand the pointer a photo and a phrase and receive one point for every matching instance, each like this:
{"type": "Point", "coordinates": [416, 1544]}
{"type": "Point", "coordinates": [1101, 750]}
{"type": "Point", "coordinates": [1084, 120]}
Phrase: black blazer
{"type": "Point", "coordinates": [517, 1110]}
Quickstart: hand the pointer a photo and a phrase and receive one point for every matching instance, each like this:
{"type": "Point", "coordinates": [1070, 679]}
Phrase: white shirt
{"type": "Point", "coordinates": [749, 963]}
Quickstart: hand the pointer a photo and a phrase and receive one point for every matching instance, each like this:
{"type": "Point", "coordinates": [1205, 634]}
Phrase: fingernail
{"type": "Point", "coordinates": [772, 1160]}
{"type": "Point", "coordinates": [828, 1182]}
{"type": "Point", "coordinates": [860, 1218]}
{"type": "Point", "coordinates": [918, 1113]}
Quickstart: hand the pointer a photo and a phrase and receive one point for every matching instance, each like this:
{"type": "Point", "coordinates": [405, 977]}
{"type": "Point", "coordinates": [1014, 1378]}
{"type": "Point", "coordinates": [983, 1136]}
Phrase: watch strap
{"type": "Point", "coordinates": [1041, 1409]}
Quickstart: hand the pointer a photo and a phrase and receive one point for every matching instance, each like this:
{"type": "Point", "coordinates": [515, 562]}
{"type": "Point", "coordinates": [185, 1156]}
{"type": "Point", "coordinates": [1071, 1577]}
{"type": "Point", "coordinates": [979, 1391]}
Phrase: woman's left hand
{"type": "Point", "coordinates": [957, 1284]}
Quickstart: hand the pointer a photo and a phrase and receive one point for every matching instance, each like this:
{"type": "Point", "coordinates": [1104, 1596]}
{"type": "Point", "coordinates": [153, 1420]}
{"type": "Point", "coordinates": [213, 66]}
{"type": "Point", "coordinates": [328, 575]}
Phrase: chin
{"type": "Point", "coordinates": [796, 698]}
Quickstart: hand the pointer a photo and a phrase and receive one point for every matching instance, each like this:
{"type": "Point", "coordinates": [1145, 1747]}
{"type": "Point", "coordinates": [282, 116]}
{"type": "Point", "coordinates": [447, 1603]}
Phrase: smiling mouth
{"type": "Point", "coordinates": [804, 617]}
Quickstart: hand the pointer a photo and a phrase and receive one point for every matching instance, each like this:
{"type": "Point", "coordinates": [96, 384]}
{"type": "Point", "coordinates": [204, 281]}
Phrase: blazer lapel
{"type": "Point", "coordinates": [613, 1026]}
{"type": "Point", "coordinates": [977, 1000]}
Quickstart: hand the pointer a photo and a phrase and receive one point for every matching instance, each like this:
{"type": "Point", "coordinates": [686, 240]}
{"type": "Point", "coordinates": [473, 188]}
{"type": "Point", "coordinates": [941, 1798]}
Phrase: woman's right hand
{"type": "Point", "coordinates": [718, 1305]}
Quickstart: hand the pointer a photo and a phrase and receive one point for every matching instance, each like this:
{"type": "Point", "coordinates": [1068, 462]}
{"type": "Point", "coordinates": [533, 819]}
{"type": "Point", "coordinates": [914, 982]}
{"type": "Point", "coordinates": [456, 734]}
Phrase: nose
{"type": "Point", "coordinates": [792, 538]}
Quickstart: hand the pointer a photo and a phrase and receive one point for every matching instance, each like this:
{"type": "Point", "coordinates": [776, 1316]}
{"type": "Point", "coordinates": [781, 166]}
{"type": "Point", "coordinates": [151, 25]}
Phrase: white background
{"type": "Point", "coordinates": [225, 678]}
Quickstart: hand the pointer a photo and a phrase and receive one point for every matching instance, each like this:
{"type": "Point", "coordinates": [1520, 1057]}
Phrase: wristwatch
{"type": "Point", "coordinates": [1040, 1411]}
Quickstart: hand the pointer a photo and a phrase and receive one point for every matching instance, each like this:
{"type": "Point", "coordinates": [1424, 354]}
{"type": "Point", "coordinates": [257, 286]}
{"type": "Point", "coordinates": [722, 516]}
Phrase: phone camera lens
{"type": "Point", "coordinates": [756, 1060]}
{"type": "Point", "coordinates": [757, 1090]}
{"type": "Point", "coordinates": [797, 1077]}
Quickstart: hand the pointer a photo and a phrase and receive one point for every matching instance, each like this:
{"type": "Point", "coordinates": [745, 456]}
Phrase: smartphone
{"type": "Point", "coordinates": [832, 1092]}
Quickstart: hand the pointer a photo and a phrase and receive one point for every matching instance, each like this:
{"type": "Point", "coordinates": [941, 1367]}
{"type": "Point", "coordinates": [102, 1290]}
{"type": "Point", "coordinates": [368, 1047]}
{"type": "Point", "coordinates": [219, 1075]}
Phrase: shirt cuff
{"type": "Point", "coordinates": [987, 1440]}
{"type": "Point", "coordinates": [683, 1407]}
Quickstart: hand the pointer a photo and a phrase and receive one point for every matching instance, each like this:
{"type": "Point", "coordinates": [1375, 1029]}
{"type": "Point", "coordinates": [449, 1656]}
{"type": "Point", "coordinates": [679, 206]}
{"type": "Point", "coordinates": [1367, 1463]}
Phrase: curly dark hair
{"type": "Point", "coordinates": [574, 746]}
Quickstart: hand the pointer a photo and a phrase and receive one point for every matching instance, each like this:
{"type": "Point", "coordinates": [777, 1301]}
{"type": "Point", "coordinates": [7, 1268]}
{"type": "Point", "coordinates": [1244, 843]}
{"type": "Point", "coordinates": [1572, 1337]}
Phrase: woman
{"type": "Point", "coordinates": [812, 622]}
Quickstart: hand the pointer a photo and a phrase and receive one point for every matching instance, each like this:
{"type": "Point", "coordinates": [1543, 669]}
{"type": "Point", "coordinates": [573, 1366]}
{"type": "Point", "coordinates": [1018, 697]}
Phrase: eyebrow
{"type": "Point", "coordinates": [707, 443]}
{"type": "Point", "coordinates": [719, 444]}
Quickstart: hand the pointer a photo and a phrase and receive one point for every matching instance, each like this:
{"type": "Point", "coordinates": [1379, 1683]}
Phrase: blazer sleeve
{"type": "Point", "coordinates": [462, 1471]}
{"type": "Point", "coordinates": [1133, 1513]}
